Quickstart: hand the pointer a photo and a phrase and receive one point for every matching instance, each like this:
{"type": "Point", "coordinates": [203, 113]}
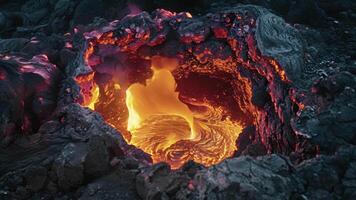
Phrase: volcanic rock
{"type": "Point", "coordinates": [97, 160]}
{"type": "Point", "coordinates": [117, 185]}
{"type": "Point", "coordinates": [349, 181]}
{"type": "Point", "coordinates": [284, 44]}
{"type": "Point", "coordinates": [53, 148]}
{"type": "Point", "coordinates": [76, 139]}
{"type": "Point", "coordinates": [69, 166]}
{"type": "Point", "coordinates": [333, 123]}
{"type": "Point", "coordinates": [307, 12]}
{"type": "Point", "coordinates": [86, 11]}
{"type": "Point", "coordinates": [247, 31]}
{"type": "Point", "coordinates": [12, 45]}
{"type": "Point", "coordinates": [35, 178]}
{"type": "Point", "coordinates": [267, 177]}
{"type": "Point", "coordinates": [245, 178]}
{"type": "Point", "coordinates": [30, 81]}
{"type": "Point", "coordinates": [159, 182]}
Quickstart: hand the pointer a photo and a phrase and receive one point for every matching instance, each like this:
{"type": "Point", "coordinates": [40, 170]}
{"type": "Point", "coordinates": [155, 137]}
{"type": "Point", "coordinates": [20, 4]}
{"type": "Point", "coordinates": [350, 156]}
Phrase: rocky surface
{"type": "Point", "coordinates": [74, 154]}
{"type": "Point", "coordinates": [247, 44]}
{"type": "Point", "coordinates": [28, 94]}
{"type": "Point", "coordinates": [265, 177]}
{"type": "Point", "coordinates": [69, 150]}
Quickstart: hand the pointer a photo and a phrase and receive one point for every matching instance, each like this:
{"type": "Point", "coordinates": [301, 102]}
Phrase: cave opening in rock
{"type": "Point", "coordinates": [177, 114]}
{"type": "Point", "coordinates": [183, 95]}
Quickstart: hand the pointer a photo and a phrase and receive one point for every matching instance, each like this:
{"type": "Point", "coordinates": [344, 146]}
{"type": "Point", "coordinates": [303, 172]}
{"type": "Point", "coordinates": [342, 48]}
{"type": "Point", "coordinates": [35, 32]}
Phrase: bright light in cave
{"type": "Point", "coordinates": [165, 127]}
{"type": "Point", "coordinates": [154, 118]}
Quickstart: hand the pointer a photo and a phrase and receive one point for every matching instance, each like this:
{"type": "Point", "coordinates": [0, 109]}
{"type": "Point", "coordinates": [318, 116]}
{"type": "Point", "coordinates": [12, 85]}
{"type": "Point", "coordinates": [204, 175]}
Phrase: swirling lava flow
{"type": "Point", "coordinates": [171, 131]}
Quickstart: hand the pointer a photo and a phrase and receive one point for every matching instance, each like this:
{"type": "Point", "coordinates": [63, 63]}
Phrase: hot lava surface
{"type": "Point", "coordinates": [175, 89]}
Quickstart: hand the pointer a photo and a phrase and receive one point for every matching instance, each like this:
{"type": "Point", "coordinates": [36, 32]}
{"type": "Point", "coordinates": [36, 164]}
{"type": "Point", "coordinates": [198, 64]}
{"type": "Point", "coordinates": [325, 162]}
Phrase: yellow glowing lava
{"type": "Point", "coordinates": [163, 126]}
{"type": "Point", "coordinates": [95, 92]}
{"type": "Point", "coordinates": [158, 97]}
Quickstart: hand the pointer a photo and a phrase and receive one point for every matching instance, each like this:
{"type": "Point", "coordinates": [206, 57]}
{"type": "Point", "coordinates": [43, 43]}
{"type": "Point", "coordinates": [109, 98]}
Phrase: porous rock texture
{"type": "Point", "coordinates": [74, 154]}
{"type": "Point", "coordinates": [265, 177]}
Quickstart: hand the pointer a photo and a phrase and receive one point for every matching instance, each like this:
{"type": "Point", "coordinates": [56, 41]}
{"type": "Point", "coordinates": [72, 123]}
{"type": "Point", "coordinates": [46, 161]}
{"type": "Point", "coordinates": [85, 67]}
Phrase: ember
{"type": "Point", "coordinates": [89, 90]}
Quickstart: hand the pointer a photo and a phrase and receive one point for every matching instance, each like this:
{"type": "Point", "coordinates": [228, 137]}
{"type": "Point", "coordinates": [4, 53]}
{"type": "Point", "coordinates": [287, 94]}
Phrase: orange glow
{"type": "Point", "coordinates": [89, 90]}
{"type": "Point", "coordinates": [88, 52]}
{"type": "Point", "coordinates": [279, 70]}
{"type": "Point", "coordinates": [163, 126]}
{"type": "Point", "coordinates": [158, 97]}
{"type": "Point", "coordinates": [191, 109]}
{"type": "Point", "coordinates": [154, 118]}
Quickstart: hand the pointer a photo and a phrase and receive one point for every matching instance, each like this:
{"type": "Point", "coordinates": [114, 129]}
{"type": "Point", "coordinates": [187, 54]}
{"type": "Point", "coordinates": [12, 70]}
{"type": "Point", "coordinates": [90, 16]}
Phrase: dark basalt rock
{"type": "Point", "coordinates": [349, 181]}
{"type": "Point", "coordinates": [267, 177]}
{"type": "Point", "coordinates": [69, 152]}
{"type": "Point", "coordinates": [86, 11]}
{"type": "Point", "coordinates": [117, 185]}
{"type": "Point", "coordinates": [262, 178]}
{"type": "Point", "coordinates": [331, 123]}
{"type": "Point", "coordinates": [283, 44]}
{"type": "Point", "coordinates": [68, 166]}
{"type": "Point", "coordinates": [12, 45]}
{"type": "Point", "coordinates": [306, 12]}
{"type": "Point", "coordinates": [28, 95]}
{"type": "Point", "coordinates": [35, 178]}
{"type": "Point", "coordinates": [70, 149]}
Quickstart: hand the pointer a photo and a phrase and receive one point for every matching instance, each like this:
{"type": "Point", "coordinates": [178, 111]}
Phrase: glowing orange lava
{"type": "Point", "coordinates": [163, 126]}
{"type": "Point", "coordinates": [157, 121]}
{"type": "Point", "coordinates": [191, 110]}
{"type": "Point", "coordinates": [88, 89]}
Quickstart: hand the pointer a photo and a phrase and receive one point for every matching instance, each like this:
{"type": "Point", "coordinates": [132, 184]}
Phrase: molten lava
{"type": "Point", "coordinates": [155, 118]}
{"type": "Point", "coordinates": [158, 97]}
{"type": "Point", "coordinates": [89, 90]}
{"type": "Point", "coordinates": [165, 127]}
{"type": "Point", "coordinates": [194, 110]}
